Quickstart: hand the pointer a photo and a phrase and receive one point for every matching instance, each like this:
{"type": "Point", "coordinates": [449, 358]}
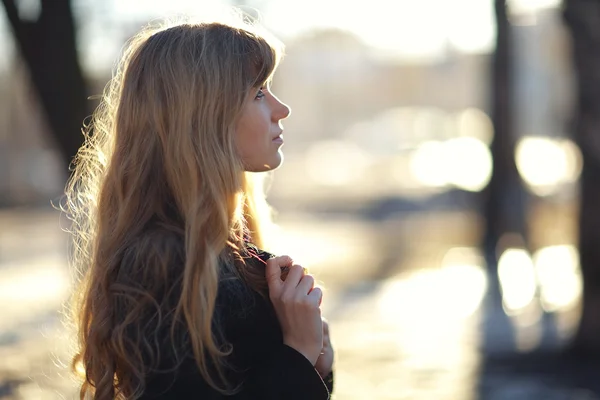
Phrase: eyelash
{"type": "Point", "coordinates": [260, 94]}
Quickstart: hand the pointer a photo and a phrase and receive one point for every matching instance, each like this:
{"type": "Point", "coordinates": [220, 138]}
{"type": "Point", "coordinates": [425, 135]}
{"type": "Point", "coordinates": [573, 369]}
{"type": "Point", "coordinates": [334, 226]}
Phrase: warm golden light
{"type": "Point", "coordinates": [402, 28]}
{"type": "Point", "coordinates": [427, 164]}
{"type": "Point", "coordinates": [460, 281]}
{"type": "Point", "coordinates": [336, 163]}
{"type": "Point", "coordinates": [559, 276]}
{"type": "Point", "coordinates": [47, 281]}
{"type": "Point", "coordinates": [464, 162]}
{"type": "Point", "coordinates": [517, 279]}
{"type": "Point", "coordinates": [473, 122]}
{"type": "Point", "coordinates": [469, 163]}
{"type": "Point", "coordinates": [427, 318]}
{"type": "Point", "coordinates": [545, 163]}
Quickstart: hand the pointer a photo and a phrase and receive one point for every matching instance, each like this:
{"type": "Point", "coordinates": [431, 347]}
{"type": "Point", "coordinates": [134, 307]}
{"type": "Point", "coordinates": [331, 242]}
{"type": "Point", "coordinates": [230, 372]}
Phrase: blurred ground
{"type": "Point", "coordinates": [404, 296]}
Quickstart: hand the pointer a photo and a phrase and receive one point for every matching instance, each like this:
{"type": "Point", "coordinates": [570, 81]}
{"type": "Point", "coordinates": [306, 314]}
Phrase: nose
{"type": "Point", "coordinates": [280, 110]}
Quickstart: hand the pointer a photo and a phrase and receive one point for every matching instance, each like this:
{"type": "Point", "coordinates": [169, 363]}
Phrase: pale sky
{"type": "Point", "coordinates": [408, 28]}
{"type": "Point", "coordinates": [400, 29]}
{"type": "Point", "coordinates": [403, 29]}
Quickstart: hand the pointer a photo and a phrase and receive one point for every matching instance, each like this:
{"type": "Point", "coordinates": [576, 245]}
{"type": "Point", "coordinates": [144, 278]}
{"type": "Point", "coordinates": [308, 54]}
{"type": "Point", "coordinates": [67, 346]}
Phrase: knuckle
{"type": "Point", "coordinates": [309, 280]}
{"type": "Point", "coordinates": [284, 259]}
{"type": "Point", "coordinates": [297, 268]}
{"type": "Point", "coordinates": [276, 261]}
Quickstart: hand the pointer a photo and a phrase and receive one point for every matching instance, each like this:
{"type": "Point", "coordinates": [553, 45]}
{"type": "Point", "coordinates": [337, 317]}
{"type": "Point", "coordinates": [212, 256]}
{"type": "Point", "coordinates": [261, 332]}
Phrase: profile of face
{"type": "Point", "coordinates": [258, 133]}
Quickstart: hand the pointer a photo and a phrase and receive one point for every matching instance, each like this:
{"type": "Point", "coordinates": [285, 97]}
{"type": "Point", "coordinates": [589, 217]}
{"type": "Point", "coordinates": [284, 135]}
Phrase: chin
{"type": "Point", "coordinates": [268, 166]}
{"type": "Point", "coordinates": [278, 161]}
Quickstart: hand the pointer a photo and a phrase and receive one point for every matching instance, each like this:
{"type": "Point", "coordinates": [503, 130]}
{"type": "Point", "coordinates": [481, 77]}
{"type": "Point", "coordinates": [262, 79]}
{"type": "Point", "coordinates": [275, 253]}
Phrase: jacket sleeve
{"type": "Point", "coordinates": [328, 380]}
{"type": "Point", "coordinates": [287, 374]}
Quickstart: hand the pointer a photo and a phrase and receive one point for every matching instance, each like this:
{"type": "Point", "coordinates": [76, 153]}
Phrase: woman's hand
{"type": "Point", "coordinates": [324, 364]}
{"type": "Point", "coordinates": [296, 302]}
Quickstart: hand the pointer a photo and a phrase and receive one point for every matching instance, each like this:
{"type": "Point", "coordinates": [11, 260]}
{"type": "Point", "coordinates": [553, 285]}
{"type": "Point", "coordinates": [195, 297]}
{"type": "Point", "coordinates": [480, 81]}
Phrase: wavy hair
{"type": "Point", "coordinates": [158, 198]}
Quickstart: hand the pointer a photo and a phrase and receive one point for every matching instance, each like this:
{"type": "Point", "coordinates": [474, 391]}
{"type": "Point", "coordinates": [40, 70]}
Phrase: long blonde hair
{"type": "Point", "coordinates": [159, 197]}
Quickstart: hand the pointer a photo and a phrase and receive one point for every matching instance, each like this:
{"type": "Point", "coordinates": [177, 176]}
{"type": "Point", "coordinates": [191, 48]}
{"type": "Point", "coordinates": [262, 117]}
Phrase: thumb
{"type": "Point", "coordinates": [273, 270]}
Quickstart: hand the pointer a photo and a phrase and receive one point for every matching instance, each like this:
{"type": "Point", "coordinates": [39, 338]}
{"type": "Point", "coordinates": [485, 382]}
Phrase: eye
{"type": "Point", "coordinates": [260, 94]}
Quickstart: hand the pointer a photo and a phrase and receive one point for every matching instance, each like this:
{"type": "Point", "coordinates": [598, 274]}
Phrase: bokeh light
{"type": "Point", "coordinates": [473, 122]}
{"type": "Point", "coordinates": [517, 279]}
{"type": "Point", "coordinates": [545, 164]}
{"type": "Point", "coordinates": [465, 163]}
{"type": "Point", "coordinates": [559, 277]}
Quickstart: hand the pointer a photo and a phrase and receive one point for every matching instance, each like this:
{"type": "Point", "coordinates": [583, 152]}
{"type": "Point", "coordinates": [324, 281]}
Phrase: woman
{"type": "Point", "coordinates": [176, 299]}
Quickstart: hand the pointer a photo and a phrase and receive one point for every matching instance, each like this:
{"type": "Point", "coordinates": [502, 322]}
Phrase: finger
{"type": "Point", "coordinates": [307, 283]}
{"type": "Point", "coordinates": [284, 273]}
{"type": "Point", "coordinates": [294, 275]}
{"type": "Point", "coordinates": [325, 327]}
{"type": "Point", "coordinates": [273, 270]}
{"type": "Point", "coordinates": [316, 295]}
{"type": "Point", "coordinates": [286, 270]}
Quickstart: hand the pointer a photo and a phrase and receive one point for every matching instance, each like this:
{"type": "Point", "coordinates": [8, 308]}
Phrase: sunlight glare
{"type": "Point", "coordinates": [163, 8]}
{"type": "Point", "coordinates": [32, 286]}
{"type": "Point", "coordinates": [463, 268]}
{"type": "Point", "coordinates": [453, 291]}
{"type": "Point", "coordinates": [427, 166]}
{"type": "Point", "coordinates": [327, 245]}
{"type": "Point", "coordinates": [39, 286]}
{"type": "Point", "coordinates": [432, 311]}
{"type": "Point", "coordinates": [517, 279]}
{"type": "Point", "coordinates": [469, 164]}
{"type": "Point", "coordinates": [528, 6]}
{"type": "Point", "coordinates": [546, 163]}
{"type": "Point", "coordinates": [471, 26]}
{"type": "Point", "coordinates": [463, 162]}
{"type": "Point", "coordinates": [400, 29]}
{"type": "Point", "coordinates": [559, 277]}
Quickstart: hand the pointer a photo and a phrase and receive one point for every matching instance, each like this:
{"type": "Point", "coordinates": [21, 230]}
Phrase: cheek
{"type": "Point", "coordinates": [252, 136]}
{"type": "Point", "coordinates": [249, 145]}
{"type": "Point", "coordinates": [252, 133]}
{"type": "Point", "coordinates": [244, 140]}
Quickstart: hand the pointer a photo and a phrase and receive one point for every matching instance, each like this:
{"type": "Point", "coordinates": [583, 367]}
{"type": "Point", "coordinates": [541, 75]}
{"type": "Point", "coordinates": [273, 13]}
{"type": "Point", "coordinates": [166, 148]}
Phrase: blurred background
{"type": "Point", "coordinates": [442, 180]}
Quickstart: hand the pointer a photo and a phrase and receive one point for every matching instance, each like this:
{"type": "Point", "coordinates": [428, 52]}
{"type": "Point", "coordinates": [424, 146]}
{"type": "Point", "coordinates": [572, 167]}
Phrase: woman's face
{"type": "Point", "coordinates": [258, 132]}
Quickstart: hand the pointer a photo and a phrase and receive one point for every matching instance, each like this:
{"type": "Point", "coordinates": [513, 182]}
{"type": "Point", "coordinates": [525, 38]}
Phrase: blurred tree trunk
{"type": "Point", "coordinates": [49, 49]}
{"type": "Point", "coordinates": [504, 198]}
{"type": "Point", "coordinates": [583, 19]}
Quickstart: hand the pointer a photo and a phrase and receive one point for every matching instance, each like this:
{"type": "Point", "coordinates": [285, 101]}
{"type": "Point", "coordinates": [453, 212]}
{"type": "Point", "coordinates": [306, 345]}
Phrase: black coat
{"type": "Point", "coordinates": [266, 368]}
